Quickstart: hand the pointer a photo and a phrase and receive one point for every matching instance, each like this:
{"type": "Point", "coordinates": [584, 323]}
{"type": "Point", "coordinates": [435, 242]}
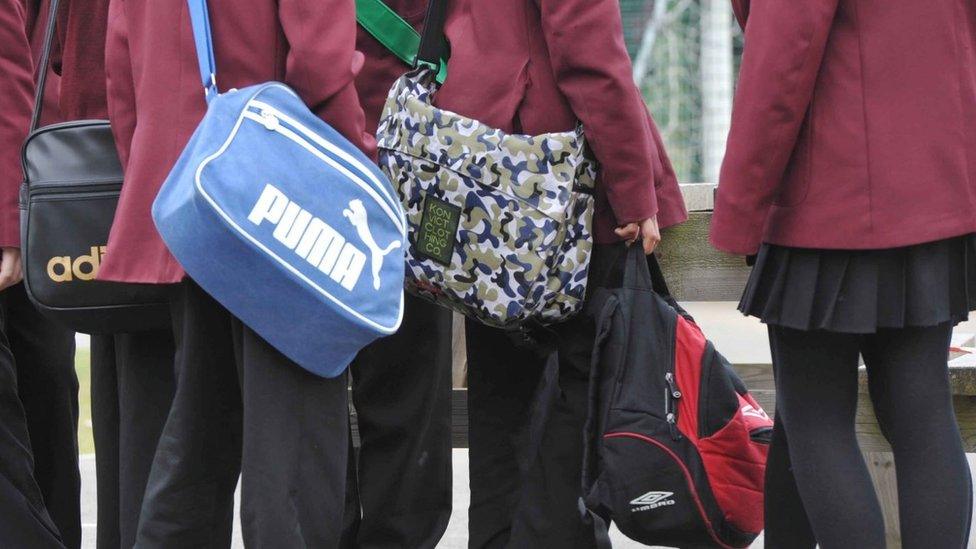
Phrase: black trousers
{"type": "Point", "coordinates": [535, 506]}
{"type": "Point", "coordinates": [399, 493]}
{"type": "Point", "coordinates": [24, 520]}
{"type": "Point", "coordinates": [244, 410]}
{"type": "Point", "coordinates": [132, 384]}
{"type": "Point", "coordinates": [817, 394]}
{"type": "Point", "coordinates": [44, 353]}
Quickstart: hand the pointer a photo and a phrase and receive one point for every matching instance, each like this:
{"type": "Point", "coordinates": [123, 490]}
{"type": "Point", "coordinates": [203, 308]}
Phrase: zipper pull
{"type": "Point", "coordinates": [671, 394]}
{"type": "Point", "coordinates": [270, 121]}
{"type": "Point", "coordinates": [672, 387]}
{"type": "Point", "coordinates": [673, 427]}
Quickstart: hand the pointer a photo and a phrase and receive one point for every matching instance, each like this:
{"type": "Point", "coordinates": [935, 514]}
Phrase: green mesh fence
{"type": "Point", "coordinates": [687, 75]}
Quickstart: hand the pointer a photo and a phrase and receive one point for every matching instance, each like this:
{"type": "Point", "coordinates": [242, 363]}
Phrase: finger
{"type": "Point", "coordinates": [18, 274]}
{"type": "Point", "coordinates": [6, 278]}
{"type": "Point", "coordinates": [628, 231]}
{"type": "Point", "coordinates": [650, 244]}
{"type": "Point", "coordinates": [651, 239]}
{"type": "Point", "coordinates": [628, 239]}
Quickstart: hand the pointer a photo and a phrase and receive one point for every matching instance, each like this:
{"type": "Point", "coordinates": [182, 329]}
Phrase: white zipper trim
{"type": "Point", "coordinates": [397, 220]}
{"type": "Point", "coordinates": [331, 148]}
{"type": "Point", "coordinates": [220, 211]}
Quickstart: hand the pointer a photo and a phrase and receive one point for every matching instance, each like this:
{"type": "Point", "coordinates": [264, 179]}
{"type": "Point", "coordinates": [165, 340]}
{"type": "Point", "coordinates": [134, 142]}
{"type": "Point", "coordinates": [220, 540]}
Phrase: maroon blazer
{"type": "Point", "coordinates": [536, 66]}
{"type": "Point", "coordinates": [16, 101]}
{"type": "Point", "coordinates": [156, 99]}
{"type": "Point", "coordinates": [382, 68]}
{"type": "Point", "coordinates": [854, 126]}
{"type": "Point", "coordinates": [38, 13]}
{"type": "Point", "coordinates": [79, 58]}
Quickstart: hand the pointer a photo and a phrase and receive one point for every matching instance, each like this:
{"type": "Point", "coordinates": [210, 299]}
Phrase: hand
{"type": "Point", "coordinates": [647, 229]}
{"type": "Point", "coordinates": [10, 269]}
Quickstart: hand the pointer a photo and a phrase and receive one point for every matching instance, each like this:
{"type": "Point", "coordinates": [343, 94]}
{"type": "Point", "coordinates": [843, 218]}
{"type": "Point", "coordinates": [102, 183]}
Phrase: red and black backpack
{"type": "Point", "coordinates": [676, 447]}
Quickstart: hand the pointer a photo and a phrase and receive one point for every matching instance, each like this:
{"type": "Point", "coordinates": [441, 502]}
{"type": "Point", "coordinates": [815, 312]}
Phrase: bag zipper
{"type": "Point", "coordinates": [273, 120]}
{"type": "Point", "coordinates": [59, 187]}
{"type": "Point", "coordinates": [671, 397]}
{"type": "Point", "coordinates": [62, 197]}
{"type": "Point", "coordinates": [761, 435]}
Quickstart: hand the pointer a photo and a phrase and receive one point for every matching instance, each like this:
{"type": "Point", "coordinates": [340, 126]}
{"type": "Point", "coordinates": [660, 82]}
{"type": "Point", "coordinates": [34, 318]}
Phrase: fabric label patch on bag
{"type": "Point", "coordinates": [438, 230]}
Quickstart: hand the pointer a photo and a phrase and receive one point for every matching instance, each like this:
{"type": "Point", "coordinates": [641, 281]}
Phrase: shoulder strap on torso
{"type": "Point", "coordinates": [396, 35]}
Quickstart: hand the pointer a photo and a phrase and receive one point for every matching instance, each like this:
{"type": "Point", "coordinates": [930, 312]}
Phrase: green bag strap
{"type": "Point", "coordinates": [393, 32]}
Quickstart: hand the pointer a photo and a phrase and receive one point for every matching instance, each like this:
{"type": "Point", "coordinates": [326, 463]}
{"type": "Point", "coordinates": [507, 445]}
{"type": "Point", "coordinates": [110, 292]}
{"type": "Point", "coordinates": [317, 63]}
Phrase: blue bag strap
{"type": "Point", "coordinates": [203, 38]}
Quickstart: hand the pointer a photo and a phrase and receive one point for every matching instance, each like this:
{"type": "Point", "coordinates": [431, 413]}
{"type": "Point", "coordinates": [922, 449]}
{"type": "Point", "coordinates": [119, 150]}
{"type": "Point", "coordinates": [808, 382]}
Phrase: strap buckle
{"type": "Point", "coordinates": [210, 89]}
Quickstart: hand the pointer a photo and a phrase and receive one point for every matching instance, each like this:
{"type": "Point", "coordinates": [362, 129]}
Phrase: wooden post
{"type": "Point", "coordinates": [716, 83]}
{"type": "Point", "coordinates": [459, 354]}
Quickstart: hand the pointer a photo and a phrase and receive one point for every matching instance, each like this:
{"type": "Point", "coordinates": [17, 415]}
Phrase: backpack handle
{"type": "Point", "coordinates": [643, 272]}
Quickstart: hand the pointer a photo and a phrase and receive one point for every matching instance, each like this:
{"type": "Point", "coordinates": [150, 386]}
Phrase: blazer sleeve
{"type": "Point", "coordinates": [785, 42]}
{"type": "Point", "coordinates": [741, 10]}
{"type": "Point", "coordinates": [119, 82]}
{"type": "Point", "coordinates": [322, 63]}
{"type": "Point", "coordinates": [592, 69]}
{"type": "Point", "coordinates": [671, 208]}
{"type": "Point", "coordinates": [16, 101]}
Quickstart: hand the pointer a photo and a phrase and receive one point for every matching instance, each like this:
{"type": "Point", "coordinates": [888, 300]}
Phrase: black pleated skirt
{"type": "Point", "coordinates": [860, 291]}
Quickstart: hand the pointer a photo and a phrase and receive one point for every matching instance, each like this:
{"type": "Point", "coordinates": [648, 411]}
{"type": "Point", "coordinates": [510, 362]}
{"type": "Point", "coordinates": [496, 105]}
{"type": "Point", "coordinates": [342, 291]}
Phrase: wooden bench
{"type": "Point", "coordinates": [696, 273]}
{"type": "Point", "coordinates": [710, 283]}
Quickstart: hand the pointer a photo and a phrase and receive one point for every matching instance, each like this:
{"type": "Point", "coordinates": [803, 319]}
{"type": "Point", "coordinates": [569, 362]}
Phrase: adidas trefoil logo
{"type": "Point", "coordinates": [652, 500]}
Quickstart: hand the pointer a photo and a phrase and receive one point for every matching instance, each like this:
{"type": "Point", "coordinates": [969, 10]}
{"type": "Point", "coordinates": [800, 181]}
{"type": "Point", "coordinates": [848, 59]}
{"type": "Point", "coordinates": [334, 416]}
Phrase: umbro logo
{"type": "Point", "coordinates": [652, 500]}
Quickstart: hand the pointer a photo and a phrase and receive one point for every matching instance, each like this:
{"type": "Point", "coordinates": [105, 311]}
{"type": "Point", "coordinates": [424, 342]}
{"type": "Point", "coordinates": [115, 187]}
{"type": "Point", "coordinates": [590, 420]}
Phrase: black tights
{"type": "Point", "coordinates": [818, 486]}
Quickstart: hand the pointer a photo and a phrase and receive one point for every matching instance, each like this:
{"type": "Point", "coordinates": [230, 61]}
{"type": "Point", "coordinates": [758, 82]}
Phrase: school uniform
{"type": "Point", "coordinates": [240, 408]}
{"type": "Point", "coordinates": [535, 66]}
{"type": "Point", "coordinates": [132, 379]}
{"type": "Point", "coordinates": [38, 12]}
{"type": "Point", "coordinates": [44, 354]}
{"type": "Point", "coordinates": [132, 385]}
{"type": "Point", "coordinates": [25, 520]}
{"type": "Point", "coordinates": [399, 493]}
{"type": "Point", "coordinates": [849, 170]}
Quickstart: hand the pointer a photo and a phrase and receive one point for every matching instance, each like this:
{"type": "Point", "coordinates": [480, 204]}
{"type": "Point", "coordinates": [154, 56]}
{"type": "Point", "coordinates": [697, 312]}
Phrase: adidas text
{"type": "Point", "coordinates": [84, 267]}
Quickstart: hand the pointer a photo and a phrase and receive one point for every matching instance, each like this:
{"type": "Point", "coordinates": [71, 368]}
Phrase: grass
{"type": "Point", "coordinates": [86, 444]}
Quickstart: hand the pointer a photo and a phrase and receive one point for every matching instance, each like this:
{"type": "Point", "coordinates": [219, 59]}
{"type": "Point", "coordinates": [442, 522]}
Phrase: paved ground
{"type": "Point", "coordinates": [454, 539]}
{"type": "Point", "coordinates": [741, 340]}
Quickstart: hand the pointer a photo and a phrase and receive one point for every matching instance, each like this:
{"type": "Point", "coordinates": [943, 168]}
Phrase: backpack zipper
{"type": "Point", "coordinates": [671, 397]}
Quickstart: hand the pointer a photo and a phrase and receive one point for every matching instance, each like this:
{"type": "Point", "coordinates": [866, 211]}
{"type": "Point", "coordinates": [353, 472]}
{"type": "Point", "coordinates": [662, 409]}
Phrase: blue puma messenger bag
{"type": "Point", "coordinates": [284, 221]}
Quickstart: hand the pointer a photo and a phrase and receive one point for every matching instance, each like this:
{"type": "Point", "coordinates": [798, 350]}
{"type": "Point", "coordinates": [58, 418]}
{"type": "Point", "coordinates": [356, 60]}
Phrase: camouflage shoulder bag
{"type": "Point", "coordinates": [499, 225]}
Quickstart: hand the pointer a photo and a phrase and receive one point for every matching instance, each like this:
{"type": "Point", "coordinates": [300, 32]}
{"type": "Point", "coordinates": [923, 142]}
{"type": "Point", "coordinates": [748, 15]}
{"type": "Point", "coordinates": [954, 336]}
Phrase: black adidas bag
{"type": "Point", "coordinates": [72, 181]}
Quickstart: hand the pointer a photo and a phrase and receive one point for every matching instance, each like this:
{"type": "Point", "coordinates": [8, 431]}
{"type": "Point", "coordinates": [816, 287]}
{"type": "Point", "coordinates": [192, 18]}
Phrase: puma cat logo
{"type": "Point", "coordinates": [356, 214]}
